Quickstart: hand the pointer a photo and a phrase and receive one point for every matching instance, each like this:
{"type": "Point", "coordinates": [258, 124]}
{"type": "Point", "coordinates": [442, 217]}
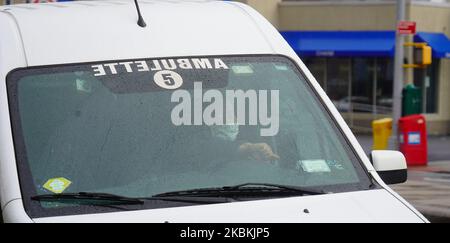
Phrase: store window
{"type": "Point", "coordinates": [384, 82]}
{"type": "Point", "coordinates": [338, 82]}
{"type": "Point", "coordinates": [362, 85]}
{"type": "Point", "coordinates": [317, 66]}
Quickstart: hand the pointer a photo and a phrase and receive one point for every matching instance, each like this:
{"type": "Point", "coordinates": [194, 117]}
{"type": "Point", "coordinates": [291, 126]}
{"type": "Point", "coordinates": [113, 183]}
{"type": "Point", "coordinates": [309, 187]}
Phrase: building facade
{"type": "Point", "coordinates": [349, 47]}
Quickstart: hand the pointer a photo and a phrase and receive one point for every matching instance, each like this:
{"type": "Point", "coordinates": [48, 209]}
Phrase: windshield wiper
{"type": "Point", "coordinates": [199, 196]}
{"type": "Point", "coordinates": [269, 186]}
{"type": "Point", "coordinates": [91, 198]}
{"type": "Point", "coordinates": [247, 188]}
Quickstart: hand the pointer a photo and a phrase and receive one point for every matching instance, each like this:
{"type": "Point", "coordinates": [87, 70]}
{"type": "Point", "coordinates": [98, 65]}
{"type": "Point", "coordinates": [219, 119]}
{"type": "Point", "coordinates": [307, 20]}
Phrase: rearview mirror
{"type": "Point", "coordinates": [390, 166]}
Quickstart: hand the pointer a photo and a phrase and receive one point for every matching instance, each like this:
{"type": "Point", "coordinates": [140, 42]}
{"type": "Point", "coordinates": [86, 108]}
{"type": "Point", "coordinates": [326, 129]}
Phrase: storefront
{"type": "Point", "coordinates": [355, 68]}
{"type": "Point", "coordinates": [361, 80]}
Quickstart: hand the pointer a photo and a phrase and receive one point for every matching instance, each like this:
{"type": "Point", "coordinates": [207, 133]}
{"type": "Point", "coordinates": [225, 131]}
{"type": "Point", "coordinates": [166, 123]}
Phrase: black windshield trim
{"type": "Point", "coordinates": [35, 210]}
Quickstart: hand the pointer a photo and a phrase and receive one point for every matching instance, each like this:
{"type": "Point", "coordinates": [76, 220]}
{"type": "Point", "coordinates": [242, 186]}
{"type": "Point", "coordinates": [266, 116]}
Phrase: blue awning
{"type": "Point", "coordinates": [439, 43]}
{"type": "Point", "coordinates": [342, 43]}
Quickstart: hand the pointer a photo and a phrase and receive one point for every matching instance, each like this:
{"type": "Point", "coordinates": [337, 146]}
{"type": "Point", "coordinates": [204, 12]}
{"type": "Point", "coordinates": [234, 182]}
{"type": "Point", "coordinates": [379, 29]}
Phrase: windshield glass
{"type": "Point", "coordinates": [144, 127]}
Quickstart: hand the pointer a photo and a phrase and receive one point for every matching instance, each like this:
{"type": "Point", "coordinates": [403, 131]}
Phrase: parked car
{"type": "Point", "coordinates": [203, 114]}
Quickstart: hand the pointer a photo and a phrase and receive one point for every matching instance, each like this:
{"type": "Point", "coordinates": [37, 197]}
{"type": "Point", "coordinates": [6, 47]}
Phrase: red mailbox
{"type": "Point", "coordinates": [413, 139]}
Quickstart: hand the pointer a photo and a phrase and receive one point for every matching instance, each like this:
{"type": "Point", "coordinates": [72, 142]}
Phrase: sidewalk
{"type": "Point", "coordinates": [428, 190]}
{"type": "Point", "coordinates": [428, 187]}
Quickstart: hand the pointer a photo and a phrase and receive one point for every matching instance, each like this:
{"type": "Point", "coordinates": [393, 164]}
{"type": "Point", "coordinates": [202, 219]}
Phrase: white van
{"type": "Point", "coordinates": [203, 115]}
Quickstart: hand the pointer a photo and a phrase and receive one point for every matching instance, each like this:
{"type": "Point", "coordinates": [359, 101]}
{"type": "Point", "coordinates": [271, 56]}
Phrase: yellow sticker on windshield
{"type": "Point", "coordinates": [57, 185]}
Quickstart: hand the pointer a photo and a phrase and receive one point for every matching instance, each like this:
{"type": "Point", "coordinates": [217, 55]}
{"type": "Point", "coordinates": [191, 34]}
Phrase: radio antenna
{"type": "Point", "coordinates": [140, 21]}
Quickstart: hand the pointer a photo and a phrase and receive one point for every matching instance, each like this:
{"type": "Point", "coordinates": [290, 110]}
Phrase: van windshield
{"type": "Point", "coordinates": [144, 127]}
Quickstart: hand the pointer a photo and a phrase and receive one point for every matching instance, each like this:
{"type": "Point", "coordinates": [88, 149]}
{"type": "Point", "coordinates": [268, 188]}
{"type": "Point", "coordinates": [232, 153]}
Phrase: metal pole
{"type": "Point", "coordinates": [425, 84]}
{"type": "Point", "coordinates": [398, 73]}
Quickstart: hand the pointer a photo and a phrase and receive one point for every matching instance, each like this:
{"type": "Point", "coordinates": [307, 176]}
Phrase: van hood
{"type": "Point", "coordinates": [364, 206]}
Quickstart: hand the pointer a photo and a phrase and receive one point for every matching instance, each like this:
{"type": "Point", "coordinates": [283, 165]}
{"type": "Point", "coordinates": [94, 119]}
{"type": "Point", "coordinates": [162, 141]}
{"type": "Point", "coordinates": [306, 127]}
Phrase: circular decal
{"type": "Point", "coordinates": [167, 79]}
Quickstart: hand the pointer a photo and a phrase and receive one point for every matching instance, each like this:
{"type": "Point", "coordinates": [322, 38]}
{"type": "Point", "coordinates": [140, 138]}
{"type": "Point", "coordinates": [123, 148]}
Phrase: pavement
{"type": "Point", "coordinates": [428, 187]}
{"type": "Point", "coordinates": [428, 190]}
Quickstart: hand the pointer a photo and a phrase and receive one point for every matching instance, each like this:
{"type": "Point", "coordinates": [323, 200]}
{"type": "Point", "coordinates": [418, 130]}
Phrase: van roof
{"type": "Point", "coordinates": [86, 31]}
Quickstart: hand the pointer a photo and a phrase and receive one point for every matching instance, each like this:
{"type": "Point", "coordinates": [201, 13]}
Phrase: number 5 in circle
{"type": "Point", "coordinates": [167, 79]}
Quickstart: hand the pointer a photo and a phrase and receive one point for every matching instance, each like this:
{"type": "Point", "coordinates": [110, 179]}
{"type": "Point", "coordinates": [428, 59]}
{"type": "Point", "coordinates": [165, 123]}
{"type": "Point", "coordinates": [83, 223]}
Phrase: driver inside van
{"type": "Point", "coordinates": [230, 132]}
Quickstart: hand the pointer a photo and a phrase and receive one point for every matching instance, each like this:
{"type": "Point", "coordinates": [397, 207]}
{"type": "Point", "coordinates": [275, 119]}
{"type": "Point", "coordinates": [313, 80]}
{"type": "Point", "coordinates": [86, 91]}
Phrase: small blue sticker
{"type": "Point", "coordinates": [414, 138]}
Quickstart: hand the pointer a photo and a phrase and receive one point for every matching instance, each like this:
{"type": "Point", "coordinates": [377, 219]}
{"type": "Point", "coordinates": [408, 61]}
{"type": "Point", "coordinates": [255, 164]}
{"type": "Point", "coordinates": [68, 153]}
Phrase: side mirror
{"type": "Point", "coordinates": [390, 166]}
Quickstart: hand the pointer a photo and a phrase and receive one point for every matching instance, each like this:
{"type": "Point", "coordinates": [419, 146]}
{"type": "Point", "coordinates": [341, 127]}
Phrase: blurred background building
{"type": "Point", "coordinates": [349, 47]}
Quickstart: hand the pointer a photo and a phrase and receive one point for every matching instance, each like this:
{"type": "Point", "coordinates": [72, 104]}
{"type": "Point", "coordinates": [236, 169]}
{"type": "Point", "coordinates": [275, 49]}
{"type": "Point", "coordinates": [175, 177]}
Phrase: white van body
{"type": "Point", "coordinates": [80, 32]}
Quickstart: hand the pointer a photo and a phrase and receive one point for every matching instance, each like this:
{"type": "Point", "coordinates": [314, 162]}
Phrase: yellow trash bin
{"type": "Point", "coordinates": [382, 130]}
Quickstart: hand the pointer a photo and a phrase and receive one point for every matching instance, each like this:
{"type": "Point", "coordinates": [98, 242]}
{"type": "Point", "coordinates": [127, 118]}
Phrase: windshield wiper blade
{"type": "Point", "coordinates": [112, 199]}
{"type": "Point", "coordinates": [200, 196]}
{"type": "Point", "coordinates": [190, 199]}
{"type": "Point", "coordinates": [247, 188]}
{"type": "Point", "coordinates": [105, 198]}
{"type": "Point", "coordinates": [269, 186]}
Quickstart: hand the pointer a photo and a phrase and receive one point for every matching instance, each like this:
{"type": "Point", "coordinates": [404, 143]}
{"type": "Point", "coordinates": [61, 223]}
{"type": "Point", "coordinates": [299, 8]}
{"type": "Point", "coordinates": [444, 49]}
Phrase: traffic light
{"type": "Point", "coordinates": [422, 55]}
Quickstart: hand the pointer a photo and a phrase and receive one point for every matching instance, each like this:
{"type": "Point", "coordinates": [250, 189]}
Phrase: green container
{"type": "Point", "coordinates": [412, 100]}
